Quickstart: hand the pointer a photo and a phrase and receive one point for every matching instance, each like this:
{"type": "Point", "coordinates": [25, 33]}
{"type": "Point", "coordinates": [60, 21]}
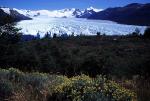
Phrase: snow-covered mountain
{"type": "Point", "coordinates": [94, 9]}
{"type": "Point", "coordinates": [13, 13]}
{"type": "Point", "coordinates": [66, 13]}
{"type": "Point", "coordinates": [88, 12]}
{"type": "Point", "coordinates": [8, 15]}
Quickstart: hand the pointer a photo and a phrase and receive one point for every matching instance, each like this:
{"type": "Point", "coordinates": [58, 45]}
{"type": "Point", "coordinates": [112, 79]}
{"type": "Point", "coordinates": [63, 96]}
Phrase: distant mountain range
{"type": "Point", "coordinates": [134, 14]}
{"type": "Point", "coordinates": [63, 13]}
{"type": "Point", "coordinates": [20, 14]}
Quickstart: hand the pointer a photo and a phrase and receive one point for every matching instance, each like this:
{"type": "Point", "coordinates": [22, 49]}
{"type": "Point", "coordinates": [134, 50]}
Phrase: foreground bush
{"type": "Point", "coordinates": [84, 88]}
{"type": "Point", "coordinates": [19, 86]}
{"type": "Point", "coordinates": [6, 89]}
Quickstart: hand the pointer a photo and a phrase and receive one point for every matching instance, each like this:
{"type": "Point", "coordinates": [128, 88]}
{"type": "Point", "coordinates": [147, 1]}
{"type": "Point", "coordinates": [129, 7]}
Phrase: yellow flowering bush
{"type": "Point", "coordinates": [84, 88]}
{"type": "Point", "coordinates": [62, 88]}
{"type": "Point", "coordinates": [117, 92]}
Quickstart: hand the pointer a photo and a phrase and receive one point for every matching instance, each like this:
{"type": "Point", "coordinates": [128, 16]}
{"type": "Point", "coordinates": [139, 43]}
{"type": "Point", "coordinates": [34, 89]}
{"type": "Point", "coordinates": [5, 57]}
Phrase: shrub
{"type": "Point", "coordinates": [37, 80]}
{"type": "Point", "coordinates": [89, 55]}
{"type": "Point", "coordinates": [98, 33]}
{"type": "Point", "coordinates": [6, 90]}
{"type": "Point", "coordinates": [9, 34]}
{"type": "Point", "coordinates": [55, 35]}
{"type": "Point", "coordinates": [147, 33]}
{"type": "Point", "coordinates": [39, 86]}
{"type": "Point", "coordinates": [84, 88]}
{"type": "Point", "coordinates": [15, 75]}
{"type": "Point", "coordinates": [3, 74]}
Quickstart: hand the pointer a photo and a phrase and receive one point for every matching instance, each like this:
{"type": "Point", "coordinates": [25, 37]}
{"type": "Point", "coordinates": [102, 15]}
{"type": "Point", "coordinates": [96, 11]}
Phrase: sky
{"type": "Point", "coordinates": [61, 4]}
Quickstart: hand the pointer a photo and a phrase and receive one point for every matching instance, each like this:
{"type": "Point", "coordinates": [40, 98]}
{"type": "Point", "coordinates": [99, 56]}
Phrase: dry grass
{"type": "Point", "coordinates": [140, 86]}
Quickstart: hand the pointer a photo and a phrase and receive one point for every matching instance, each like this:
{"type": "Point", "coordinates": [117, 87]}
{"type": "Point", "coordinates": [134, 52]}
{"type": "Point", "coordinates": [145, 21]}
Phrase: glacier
{"type": "Point", "coordinates": [78, 26]}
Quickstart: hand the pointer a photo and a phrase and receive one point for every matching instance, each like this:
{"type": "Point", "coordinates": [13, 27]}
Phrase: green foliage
{"type": "Point", "coordinates": [147, 33]}
{"type": "Point", "coordinates": [15, 75]}
{"type": "Point", "coordinates": [9, 34]}
{"type": "Point", "coordinates": [55, 35]}
{"type": "Point", "coordinates": [136, 33]}
{"type": "Point", "coordinates": [84, 88]}
{"type": "Point", "coordinates": [124, 57]}
{"type": "Point", "coordinates": [61, 88]}
{"type": "Point", "coordinates": [37, 80]}
{"type": "Point", "coordinates": [6, 89]}
{"type": "Point", "coordinates": [98, 33]}
{"type": "Point", "coordinates": [47, 35]}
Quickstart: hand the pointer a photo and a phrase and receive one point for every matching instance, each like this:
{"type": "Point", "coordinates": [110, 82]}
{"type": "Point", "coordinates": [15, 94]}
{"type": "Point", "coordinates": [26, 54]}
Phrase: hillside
{"type": "Point", "coordinates": [9, 15]}
{"type": "Point", "coordinates": [134, 14]}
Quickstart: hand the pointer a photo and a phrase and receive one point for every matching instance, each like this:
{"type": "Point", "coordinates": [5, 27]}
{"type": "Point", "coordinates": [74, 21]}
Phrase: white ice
{"type": "Point", "coordinates": [74, 25]}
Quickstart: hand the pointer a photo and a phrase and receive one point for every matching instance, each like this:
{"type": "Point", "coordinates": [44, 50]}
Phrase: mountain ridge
{"type": "Point", "coordinates": [132, 14]}
{"type": "Point", "coordinates": [67, 12]}
{"type": "Point", "coordinates": [8, 15]}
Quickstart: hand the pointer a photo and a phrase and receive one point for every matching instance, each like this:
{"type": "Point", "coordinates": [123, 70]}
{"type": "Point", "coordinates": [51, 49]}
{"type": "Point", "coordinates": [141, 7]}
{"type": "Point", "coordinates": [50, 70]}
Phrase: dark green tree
{"type": "Point", "coordinates": [9, 34]}
{"type": "Point", "coordinates": [136, 33]}
{"type": "Point", "coordinates": [55, 35]}
{"type": "Point", "coordinates": [98, 33]}
{"type": "Point", "coordinates": [147, 33]}
{"type": "Point", "coordinates": [47, 35]}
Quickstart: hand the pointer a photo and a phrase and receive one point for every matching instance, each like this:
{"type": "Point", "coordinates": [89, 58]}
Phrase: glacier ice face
{"type": "Point", "coordinates": [74, 25]}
